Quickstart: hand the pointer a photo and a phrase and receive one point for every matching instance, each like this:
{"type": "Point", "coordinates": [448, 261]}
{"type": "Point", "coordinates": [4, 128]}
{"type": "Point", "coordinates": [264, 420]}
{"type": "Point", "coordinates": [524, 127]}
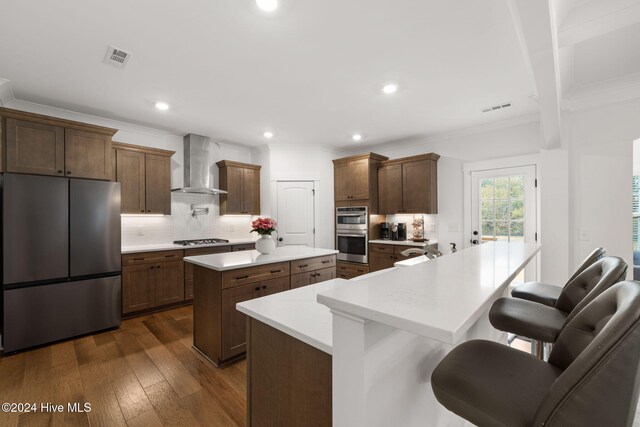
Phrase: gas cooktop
{"type": "Point", "coordinates": [196, 242]}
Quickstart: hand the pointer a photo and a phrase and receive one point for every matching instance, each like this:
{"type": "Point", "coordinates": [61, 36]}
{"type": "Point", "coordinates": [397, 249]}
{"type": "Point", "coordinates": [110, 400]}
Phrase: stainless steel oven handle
{"type": "Point", "coordinates": [340, 214]}
{"type": "Point", "coordinates": [351, 235]}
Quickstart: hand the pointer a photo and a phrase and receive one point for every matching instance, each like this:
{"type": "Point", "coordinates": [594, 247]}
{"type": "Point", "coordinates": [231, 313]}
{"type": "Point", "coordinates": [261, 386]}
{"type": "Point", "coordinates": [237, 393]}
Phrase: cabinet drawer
{"type": "Point", "coordinates": [349, 271]}
{"type": "Point", "coordinates": [310, 264]}
{"type": "Point", "coordinates": [302, 279]}
{"type": "Point", "coordinates": [245, 247]}
{"type": "Point", "coordinates": [207, 251]}
{"type": "Point", "coordinates": [381, 248]}
{"type": "Point", "coordinates": [243, 276]}
{"type": "Point", "coordinates": [147, 257]}
{"type": "Point", "coordinates": [325, 274]}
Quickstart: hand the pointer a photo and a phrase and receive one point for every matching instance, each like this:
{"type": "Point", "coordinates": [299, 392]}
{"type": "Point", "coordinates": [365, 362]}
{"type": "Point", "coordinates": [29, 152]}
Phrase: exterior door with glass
{"type": "Point", "coordinates": [503, 207]}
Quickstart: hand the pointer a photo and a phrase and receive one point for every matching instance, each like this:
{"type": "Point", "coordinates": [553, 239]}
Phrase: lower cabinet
{"type": "Point", "coordinates": [234, 323]}
{"type": "Point", "coordinates": [349, 270]}
{"type": "Point", "coordinates": [188, 267]}
{"type": "Point", "coordinates": [311, 277]}
{"type": "Point", "coordinates": [151, 280]}
{"type": "Point", "coordinates": [385, 255]}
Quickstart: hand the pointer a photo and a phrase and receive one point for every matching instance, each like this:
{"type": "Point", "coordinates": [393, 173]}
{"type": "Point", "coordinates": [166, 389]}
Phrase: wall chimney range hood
{"type": "Point", "coordinates": [197, 178]}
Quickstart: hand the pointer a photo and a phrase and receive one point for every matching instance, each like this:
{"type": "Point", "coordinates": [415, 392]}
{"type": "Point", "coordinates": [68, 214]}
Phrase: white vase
{"type": "Point", "coordinates": [265, 244]}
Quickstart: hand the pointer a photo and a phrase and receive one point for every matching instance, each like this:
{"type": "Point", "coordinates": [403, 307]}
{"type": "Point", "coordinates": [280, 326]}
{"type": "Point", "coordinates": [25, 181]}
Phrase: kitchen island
{"type": "Point", "coordinates": [223, 280]}
{"type": "Point", "coordinates": [382, 333]}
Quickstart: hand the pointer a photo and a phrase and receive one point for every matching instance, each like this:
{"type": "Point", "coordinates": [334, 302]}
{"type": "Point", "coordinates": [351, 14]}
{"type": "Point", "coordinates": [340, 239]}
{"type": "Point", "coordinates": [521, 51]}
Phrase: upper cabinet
{"type": "Point", "coordinates": [43, 145]}
{"type": "Point", "coordinates": [145, 177]}
{"type": "Point", "coordinates": [409, 185]}
{"type": "Point", "coordinates": [355, 177]}
{"type": "Point", "coordinates": [242, 183]}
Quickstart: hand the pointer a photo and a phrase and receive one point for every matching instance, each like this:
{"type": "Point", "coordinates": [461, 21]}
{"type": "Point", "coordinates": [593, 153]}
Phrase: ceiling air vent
{"type": "Point", "coordinates": [117, 57]}
{"type": "Point", "coordinates": [496, 107]}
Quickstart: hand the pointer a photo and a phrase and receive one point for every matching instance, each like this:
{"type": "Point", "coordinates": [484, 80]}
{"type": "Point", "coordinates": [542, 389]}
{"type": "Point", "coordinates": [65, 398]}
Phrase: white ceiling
{"type": "Point", "coordinates": [311, 72]}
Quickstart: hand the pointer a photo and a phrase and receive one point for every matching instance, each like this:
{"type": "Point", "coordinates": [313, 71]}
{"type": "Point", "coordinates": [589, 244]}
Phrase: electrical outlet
{"type": "Point", "coordinates": [432, 227]}
{"type": "Point", "coordinates": [139, 230]}
{"type": "Point", "coordinates": [584, 235]}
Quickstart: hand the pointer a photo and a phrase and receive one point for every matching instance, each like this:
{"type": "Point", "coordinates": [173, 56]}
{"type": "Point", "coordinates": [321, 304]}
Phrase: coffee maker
{"type": "Point", "coordinates": [402, 231]}
{"type": "Point", "coordinates": [385, 231]}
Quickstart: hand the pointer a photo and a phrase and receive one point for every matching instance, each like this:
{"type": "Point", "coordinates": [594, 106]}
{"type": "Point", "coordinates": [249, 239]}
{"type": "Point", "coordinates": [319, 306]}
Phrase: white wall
{"type": "Point", "coordinates": [302, 163]}
{"type": "Point", "coordinates": [180, 225]}
{"type": "Point", "coordinates": [600, 142]}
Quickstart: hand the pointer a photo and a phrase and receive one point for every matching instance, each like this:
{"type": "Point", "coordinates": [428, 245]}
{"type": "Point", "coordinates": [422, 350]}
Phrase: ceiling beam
{"type": "Point", "coordinates": [536, 29]}
{"type": "Point", "coordinates": [597, 18]}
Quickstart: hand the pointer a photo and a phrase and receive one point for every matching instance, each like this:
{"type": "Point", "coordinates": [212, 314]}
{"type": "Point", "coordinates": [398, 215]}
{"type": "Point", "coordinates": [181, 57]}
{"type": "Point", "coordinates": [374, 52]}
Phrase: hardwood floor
{"type": "Point", "coordinates": [143, 374]}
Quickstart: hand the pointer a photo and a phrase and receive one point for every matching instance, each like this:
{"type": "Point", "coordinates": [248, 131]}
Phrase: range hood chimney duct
{"type": "Point", "coordinates": [197, 179]}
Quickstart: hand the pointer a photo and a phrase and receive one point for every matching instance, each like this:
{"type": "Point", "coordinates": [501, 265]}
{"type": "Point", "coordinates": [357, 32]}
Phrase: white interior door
{"type": "Point", "coordinates": [504, 208]}
{"type": "Point", "coordinates": [296, 219]}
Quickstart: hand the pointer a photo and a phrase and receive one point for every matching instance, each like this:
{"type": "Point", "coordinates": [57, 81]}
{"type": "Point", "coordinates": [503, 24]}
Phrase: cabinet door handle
{"type": "Point", "coordinates": [276, 271]}
{"type": "Point", "coordinates": [326, 262]}
{"type": "Point", "coordinates": [169, 256]}
{"type": "Point", "coordinates": [68, 172]}
{"type": "Point", "coordinates": [258, 288]}
{"type": "Point", "coordinates": [242, 277]}
{"type": "Point", "coordinates": [264, 286]}
{"type": "Point", "coordinates": [152, 267]}
{"type": "Point", "coordinates": [60, 171]}
{"type": "Point", "coordinates": [303, 266]}
{"type": "Point", "coordinates": [141, 210]}
{"type": "Point", "coordinates": [158, 267]}
{"type": "Point", "coordinates": [138, 259]}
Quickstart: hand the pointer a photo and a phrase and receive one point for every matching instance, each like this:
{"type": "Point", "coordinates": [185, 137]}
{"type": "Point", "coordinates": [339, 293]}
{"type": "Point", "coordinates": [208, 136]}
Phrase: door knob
{"type": "Point", "coordinates": [475, 232]}
{"type": "Point", "coordinates": [474, 242]}
{"type": "Point", "coordinates": [280, 239]}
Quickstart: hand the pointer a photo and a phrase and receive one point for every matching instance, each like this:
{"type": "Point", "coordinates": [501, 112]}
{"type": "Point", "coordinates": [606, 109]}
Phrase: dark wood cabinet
{"type": "Point", "coordinates": [169, 282]}
{"type": "Point", "coordinates": [130, 173]}
{"type": "Point", "coordinates": [349, 270]}
{"type": "Point", "coordinates": [87, 155]}
{"type": "Point", "coordinates": [144, 174]}
{"type": "Point", "coordinates": [390, 188]}
{"type": "Point", "coordinates": [243, 247]}
{"type": "Point", "coordinates": [241, 181]}
{"type": "Point", "coordinates": [44, 145]}
{"type": "Point", "coordinates": [158, 184]}
{"type": "Point", "coordinates": [380, 261]}
{"type": "Point", "coordinates": [219, 328]}
{"type": "Point", "coordinates": [138, 288]}
{"type": "Point", "coordinates": [312, 277]}
{"type": "Point", "coordinates": [385, 255]}
{"type": "Point", "coordinates": [355, 177]}
{"type": "Point", "coordinates": [35, 148]}
{"type": "Point", "coordinates": [152, 280]}
{"type": "Point", "coordinates": [409, 185]}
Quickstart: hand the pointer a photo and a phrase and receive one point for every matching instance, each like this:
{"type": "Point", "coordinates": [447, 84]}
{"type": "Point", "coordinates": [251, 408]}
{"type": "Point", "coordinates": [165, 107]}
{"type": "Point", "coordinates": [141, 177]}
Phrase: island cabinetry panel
{"type": "Point", "coordinates": [409, 185]}
{"type": "Point", "coordinates": [44, 145]}
{"type": "Point", "coordinates": [152, 280]}
{"type": "Point", "coordinates": [349, 270]}
{"type": "Point", "coordinates": [188, 267]}
{"type": "Point", "coordinates": [312, 264]}
{"type": "Point", "coordinates": [219, 329]}
{"type": "Point", "coordinates": [241, 181]}
{"type": "Point", "coordinates": [311, 277]}
{"type": "Point", "coordinates": [144, 174]}
{"type": "Point", "coordinates": [243, 247]}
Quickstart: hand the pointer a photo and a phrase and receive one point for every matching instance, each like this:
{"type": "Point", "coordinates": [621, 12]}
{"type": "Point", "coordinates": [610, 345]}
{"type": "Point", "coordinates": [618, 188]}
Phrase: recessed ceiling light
{"type": "Point", "coordinates": [267, 5]}
{"type": "Point", "coordinates": [390, 88]}
{"type": "Point", "coordinates": [268, 135]}
{"type": "Point", "coordinates": [356, 137]}
{"type": "Point", "coordinates": [163, 106]}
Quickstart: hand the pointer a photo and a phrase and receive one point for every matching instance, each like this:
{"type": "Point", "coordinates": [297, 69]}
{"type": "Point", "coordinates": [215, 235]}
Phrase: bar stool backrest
{"type": "Point", "coordinates": [599, 351]}
{"type": "Point", "coordinates": [594, 280]}
{"type": "Point", "coordinates": [595, 255]}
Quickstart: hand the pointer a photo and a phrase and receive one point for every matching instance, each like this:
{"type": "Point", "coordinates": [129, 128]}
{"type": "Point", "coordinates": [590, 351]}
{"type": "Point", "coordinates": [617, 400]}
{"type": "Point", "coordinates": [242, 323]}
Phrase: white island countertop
{"type": "Point", "coordinates": [233, 260]}
{"type": "Point", "coordinates": [439, 299]}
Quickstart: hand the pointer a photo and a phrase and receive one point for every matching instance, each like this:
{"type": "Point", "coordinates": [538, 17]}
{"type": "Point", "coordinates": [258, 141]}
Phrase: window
{"type": "Point", "coordinates": [502, 208]}
{"type": "Point", "coordinates": [636, 213]}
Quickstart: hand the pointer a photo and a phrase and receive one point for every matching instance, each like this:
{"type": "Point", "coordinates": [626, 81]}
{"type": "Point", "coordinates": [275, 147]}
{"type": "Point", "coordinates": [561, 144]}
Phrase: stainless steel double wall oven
{"type": "Point", "coordinates": [352, 238]}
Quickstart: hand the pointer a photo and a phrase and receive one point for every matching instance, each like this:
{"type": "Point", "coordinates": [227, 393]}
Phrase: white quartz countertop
{"type": "Point", "coordinates": [234, 260]}
{"type": "Point", "coordinates": [171, 247]}
{"type": "Point", "coordinates": [438, 299]}
{"type": "Point", "coordinates": [297, 313]}
{"type": "Point", "coordinates": [404, 242]}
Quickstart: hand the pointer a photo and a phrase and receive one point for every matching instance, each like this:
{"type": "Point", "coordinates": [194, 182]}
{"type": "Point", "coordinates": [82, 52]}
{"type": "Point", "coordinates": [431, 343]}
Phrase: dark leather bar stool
{"type": "Point", "coordinates": [542, 323]}
{"type": "Point", "coordinates": [591, 379]}
{"type": "Point", "coordinates": [547, 294]}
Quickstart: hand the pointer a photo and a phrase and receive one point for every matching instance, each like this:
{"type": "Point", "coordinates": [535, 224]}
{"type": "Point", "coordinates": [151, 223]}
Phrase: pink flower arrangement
{"type": "Point", "coordinates": [263, 226]}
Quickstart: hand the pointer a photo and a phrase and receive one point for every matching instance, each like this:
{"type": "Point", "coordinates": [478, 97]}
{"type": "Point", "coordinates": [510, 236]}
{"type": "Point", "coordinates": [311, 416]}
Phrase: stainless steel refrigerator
{"type": "Point", "coordinates": [61, 269]}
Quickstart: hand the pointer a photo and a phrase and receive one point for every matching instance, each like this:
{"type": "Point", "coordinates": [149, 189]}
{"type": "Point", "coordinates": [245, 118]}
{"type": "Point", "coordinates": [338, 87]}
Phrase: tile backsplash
{"type": "Point", "coordinates": [180, 225]}
{"type": "Point", "coordinates": [430, 224]}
